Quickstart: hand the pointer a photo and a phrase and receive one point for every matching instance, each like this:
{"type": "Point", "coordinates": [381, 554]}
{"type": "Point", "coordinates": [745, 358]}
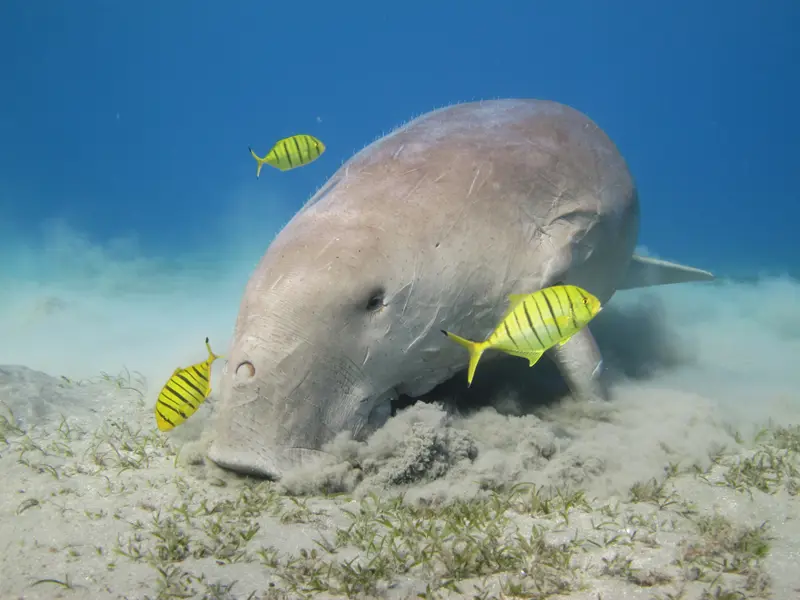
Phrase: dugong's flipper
{"type": "Point", "coordinates": [581, 364]}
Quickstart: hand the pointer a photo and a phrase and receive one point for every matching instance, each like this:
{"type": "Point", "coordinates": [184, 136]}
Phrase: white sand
{"type": "Point", "coordinates": [100, 503]}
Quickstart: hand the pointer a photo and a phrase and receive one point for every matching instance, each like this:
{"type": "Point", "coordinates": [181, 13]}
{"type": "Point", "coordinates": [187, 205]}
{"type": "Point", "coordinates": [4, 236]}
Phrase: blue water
{"type": "Point", "coordinates": [133, 120]}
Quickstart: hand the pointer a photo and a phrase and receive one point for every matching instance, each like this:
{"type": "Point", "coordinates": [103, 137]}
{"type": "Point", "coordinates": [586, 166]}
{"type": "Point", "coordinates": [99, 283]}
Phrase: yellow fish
{"type": "Point", "coordinates": [534, 323]}
{"type": "Point", "coordinates": [184, 392]}
{"type": "Point", "coordinates": [291, 152]}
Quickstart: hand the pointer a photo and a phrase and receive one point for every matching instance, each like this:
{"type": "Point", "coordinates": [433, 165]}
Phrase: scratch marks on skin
{"type": "Point", "coordinates": [409, 172]}
{"type": "Point", "coordinates": [326, 246]}
{"type": "Point", "coordinates": [474, 179]}
{"type": "Point", "coordinates": [425, 330]}
{"type": "Point", "coordinates": [276, 282]}
{"type": "Point", "coordinates": [413, 189]}
{"type": "Point", "coordinates": [410, 286]}
{"type": "Point", "coordinates": [468, 205]}
{"type": "Point", "coordinates": [455, 161]}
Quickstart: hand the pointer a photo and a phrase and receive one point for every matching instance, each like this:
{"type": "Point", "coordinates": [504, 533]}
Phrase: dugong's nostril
{"type": "Point", "coordinates": [245, 370]}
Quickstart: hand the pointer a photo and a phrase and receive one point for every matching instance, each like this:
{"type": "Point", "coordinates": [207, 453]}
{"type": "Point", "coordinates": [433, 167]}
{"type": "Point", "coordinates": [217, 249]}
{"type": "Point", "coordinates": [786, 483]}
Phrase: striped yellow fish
{"type": "Point", "coordinates": [534, 323]}
{"type": "Point", "coordinates": [291, 152]}
{"type": "Point", "coordinates": [184, 392]}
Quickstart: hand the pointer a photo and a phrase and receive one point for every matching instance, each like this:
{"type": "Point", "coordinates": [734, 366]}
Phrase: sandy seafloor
{"type": "Point", "coordinates": [683, 486]}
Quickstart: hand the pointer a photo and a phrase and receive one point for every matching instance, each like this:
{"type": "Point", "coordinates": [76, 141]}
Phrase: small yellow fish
{"type": "Point", "coordinates": [291, 152]}
{"type": "Point", "coordinates": [184, 392]}
{"type": "Point", "coordinates": [534, 323]}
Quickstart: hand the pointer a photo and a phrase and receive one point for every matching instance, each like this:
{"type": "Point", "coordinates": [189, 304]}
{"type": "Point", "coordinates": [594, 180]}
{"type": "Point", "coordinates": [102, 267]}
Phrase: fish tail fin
{"type": "Point", "coordinates": [475, 350]}
{"type": "Point", "coordinates": [259, 160]}
{"type": "Point", "coordinates": [211, 356]}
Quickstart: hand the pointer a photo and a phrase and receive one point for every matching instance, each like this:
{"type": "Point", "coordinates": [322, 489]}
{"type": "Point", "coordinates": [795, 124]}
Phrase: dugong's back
{"type": "Point", "coordinates": [523, 176]}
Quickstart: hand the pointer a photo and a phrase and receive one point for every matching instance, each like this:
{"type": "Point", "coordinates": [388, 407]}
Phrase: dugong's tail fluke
{"type": "Point", "coordinates": [475, 352]}
{"type": "Point", "coordinates": [647, 272]}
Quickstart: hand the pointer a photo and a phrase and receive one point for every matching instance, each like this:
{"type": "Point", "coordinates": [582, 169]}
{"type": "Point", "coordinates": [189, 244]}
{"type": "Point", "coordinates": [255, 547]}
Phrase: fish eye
{"type": "Point", "coordinates": [376, 301]}
{"type": "Point", "coordinates": [585, 301]}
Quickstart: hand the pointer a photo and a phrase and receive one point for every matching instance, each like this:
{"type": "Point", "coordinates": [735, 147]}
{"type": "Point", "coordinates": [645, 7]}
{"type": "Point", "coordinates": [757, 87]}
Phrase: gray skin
{"type": "Point", "coordinates": [430, 227]}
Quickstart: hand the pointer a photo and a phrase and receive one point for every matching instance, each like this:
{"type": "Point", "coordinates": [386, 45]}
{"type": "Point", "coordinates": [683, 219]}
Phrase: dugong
{"type": "Point", "coordinates": [431, 227]}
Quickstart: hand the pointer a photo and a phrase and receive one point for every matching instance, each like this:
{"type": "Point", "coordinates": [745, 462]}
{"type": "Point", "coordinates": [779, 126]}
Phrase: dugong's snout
{"type": "Point", "coordinates": [245, 443]}
{"type": "Point", "coordinates": [264, 462]}
{"type": "Point", "coordinates": [275, 411]}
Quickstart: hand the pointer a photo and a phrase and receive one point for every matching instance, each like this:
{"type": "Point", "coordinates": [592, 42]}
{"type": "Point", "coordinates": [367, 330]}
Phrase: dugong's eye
{"type": "Point", "coordinates": [376, 301]}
